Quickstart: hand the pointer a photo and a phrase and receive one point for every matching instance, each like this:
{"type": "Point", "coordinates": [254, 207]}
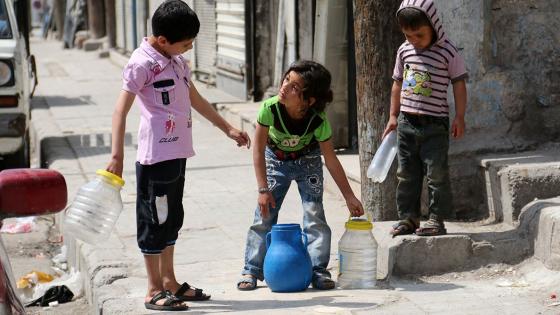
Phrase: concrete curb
{"type": "Point", "coordinates": [100, 265]}
{"type": "Point", "coordinates": [466, 249]}
{"type": "Point", "coordinates": [540, 220]}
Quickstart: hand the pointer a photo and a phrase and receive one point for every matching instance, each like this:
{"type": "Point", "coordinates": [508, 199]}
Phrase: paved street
{"type": "Point", "coordinates": [75, 98]}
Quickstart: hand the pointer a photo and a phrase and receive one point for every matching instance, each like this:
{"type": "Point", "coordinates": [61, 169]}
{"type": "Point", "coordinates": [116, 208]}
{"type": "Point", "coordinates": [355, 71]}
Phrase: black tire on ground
{"type": "Point", "coordinates": [19, 159]}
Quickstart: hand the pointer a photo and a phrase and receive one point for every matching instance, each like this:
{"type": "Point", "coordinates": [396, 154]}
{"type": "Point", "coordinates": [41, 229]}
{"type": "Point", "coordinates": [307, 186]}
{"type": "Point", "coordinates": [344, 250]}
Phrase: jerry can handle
{"type": "Point", "coordinates": [368, 217]}
{"type": "Point", "coordinates": [268, 235]}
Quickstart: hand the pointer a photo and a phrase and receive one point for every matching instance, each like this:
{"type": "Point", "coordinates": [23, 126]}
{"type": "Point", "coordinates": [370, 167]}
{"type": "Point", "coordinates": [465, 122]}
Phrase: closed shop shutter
{"type": "Point", "coordinates": [230, 40]}
{"type": "Point", "coordinates": [205, 43]}
{"type": "Point", "coordinates": [331, 49]}
{"type": "Point", "coordinates": [141, 20]}
{"type": "Point", "coordinates": [119, 22]}
{"type": "Point", "coordinates": [130, 26]}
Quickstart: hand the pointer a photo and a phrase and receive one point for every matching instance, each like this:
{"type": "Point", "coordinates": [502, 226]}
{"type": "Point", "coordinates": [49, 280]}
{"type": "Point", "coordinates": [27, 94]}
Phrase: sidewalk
{"type": "Point", "coordinates": [74, 103]}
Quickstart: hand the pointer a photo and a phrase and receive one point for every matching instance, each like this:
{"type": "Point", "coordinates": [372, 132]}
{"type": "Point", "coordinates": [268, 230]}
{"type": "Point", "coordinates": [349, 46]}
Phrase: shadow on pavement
{"type": "Point", "coordinates": [419, 285]}
{"type": "Point", "coordinates": [55, 101]}
{"type": "Point", "coordinates": [84, 145]}
{"type": "Point", "coordinates": [237, 305]}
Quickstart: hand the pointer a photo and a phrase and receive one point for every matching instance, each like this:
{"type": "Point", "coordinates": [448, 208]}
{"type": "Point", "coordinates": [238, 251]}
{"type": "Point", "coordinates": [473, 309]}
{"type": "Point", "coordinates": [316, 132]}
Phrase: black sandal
{"type": "Point", "coordinates": [198, 294]}
{"type": "Point", "coordinates": [404, 227]}
{"type": "Point", "coordinates": [431, 228]}
{"type": "Point", "coordinates": [323, 283]}
{"type": "Point", "coordinates": [172, 303]}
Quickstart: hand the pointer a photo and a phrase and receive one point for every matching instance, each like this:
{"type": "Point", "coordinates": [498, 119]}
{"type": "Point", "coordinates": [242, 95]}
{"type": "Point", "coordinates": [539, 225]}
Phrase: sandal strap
{"type": "Point", "coordinates": [410, 225]}
{"type": "Point", "coordinates": [433, 224]}
{"type": "Point", "coordinates": [170, 298]}
{"type": "Point", "coordinates": [247, 280]}
{"type": "Point", "coordinates": [182, 289]}
{"type": "Point", "coordinates": [157, 297]}
{"type": "Point", "coordinates": [251, 281]}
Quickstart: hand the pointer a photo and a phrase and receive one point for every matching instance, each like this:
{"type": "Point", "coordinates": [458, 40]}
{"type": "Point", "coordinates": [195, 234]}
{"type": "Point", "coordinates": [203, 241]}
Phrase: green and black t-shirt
{"type": "Point", "coordinates": [291, 135]}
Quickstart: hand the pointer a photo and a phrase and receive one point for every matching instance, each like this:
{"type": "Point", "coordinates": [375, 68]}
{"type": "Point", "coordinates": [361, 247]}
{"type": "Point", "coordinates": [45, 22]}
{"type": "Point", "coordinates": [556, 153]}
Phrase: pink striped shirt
{"type": "Point", "coordinates": [426, 73]}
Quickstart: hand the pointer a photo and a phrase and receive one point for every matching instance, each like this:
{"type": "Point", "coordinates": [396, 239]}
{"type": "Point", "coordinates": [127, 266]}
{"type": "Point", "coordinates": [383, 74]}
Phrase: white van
{"type": "Point", "coordinates": [17, 83]}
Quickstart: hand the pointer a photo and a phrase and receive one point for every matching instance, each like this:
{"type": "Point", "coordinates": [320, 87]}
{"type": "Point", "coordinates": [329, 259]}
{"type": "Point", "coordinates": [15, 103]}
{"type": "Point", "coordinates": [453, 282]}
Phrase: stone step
{"type": "Point", "coordinates": [514, 180]}
{"type": "Point", "coordinates": [469, 246]}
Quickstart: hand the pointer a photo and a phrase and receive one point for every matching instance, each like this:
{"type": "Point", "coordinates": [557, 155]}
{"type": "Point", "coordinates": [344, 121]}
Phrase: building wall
{"type": "Point", "coordinates": [331, 49]}
{"type": "Point", "coordinates": [513, 58]}
{"type": "Point", "coordinates": [266, 20]}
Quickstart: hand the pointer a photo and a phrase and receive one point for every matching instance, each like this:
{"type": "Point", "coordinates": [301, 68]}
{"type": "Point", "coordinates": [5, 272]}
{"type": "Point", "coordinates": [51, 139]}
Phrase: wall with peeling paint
{"type": "Point", "coordinates": [512, 52]}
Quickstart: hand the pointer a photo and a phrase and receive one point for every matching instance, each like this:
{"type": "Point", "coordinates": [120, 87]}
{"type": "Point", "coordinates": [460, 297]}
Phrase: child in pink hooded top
{"type": "Point", "coordinates": [425, 65]}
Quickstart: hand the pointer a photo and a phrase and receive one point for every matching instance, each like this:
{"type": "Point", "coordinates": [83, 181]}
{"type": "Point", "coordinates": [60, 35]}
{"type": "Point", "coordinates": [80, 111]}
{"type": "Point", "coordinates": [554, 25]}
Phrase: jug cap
{"type": "Point", "coordinates": [358, 224]}
{"type": "Point", "coordinates": [111, 177]}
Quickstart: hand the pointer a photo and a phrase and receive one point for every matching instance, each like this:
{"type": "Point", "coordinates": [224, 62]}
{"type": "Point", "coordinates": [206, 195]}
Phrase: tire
{"type": "Point", "coordinates": [20, 159]}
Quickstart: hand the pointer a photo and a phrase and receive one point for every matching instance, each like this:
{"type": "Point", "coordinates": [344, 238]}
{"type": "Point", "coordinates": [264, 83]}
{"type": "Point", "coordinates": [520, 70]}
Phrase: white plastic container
{"type": "Point", "coordinates": [357, 253]}
{"type": "Point", "coordinates": [96, 208]}
{"type": "Point", "coordinates": [383, 158]}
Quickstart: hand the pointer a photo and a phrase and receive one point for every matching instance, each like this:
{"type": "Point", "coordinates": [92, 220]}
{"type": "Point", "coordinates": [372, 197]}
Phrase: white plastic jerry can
{"type": "Point", "coordinates": [383, 158]}
{"type": "Point", "coordinates": [357, 252]}
{"type": "Point", "coordinates": [96, 208]}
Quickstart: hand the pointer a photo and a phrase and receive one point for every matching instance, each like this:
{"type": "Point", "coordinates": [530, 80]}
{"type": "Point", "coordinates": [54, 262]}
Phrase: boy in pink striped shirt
{"type": "Point", "coordinates": [426, 62]}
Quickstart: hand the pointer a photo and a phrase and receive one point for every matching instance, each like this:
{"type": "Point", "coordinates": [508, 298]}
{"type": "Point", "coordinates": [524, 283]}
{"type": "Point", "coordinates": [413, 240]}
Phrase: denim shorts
{"type": "Point", "coordinates": [159, 204]}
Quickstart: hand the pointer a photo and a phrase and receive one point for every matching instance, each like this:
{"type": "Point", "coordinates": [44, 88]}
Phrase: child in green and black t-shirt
{"type": "Point", "coordinates": [291, 134]}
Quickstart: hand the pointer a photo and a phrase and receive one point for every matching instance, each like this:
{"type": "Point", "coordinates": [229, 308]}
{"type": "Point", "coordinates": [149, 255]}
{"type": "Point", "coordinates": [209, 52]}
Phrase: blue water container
{"type": "Point", "coordinates": [287, 265]}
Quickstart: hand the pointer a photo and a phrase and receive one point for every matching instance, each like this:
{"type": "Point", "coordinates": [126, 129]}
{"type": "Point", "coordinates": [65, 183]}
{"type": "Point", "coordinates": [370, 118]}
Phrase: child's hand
{"type": "Point", "coordinates": [115, 166]}
{"type": "Point", "coordinates": [266, 199]}
{"type": "Point", "coordinates": [391, 125]}
{"type": "Point", "coordinates": [241, 137]}
{"type": "Point", "coordinates": [458, 127]}
{"type": "Point", "coordinates": [354, 206]}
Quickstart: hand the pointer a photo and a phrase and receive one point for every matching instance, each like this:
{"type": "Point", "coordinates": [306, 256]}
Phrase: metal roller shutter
{"type": "Point", "coordinates": [205, 43]}
{"type": "Point", "coordinates": [230, 40]}
{"type": "Point", "coordinates": [119, 21]}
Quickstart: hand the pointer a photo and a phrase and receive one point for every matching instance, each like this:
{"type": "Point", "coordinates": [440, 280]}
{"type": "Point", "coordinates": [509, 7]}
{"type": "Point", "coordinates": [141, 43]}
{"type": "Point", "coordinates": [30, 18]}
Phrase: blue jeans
{"type": "Point", "coordinates": [307, 171]}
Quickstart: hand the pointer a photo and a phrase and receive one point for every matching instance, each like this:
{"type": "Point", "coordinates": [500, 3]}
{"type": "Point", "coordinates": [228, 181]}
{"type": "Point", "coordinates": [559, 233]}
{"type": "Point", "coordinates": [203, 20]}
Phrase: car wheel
{"type": "Point", "coordinates": [20, 159]}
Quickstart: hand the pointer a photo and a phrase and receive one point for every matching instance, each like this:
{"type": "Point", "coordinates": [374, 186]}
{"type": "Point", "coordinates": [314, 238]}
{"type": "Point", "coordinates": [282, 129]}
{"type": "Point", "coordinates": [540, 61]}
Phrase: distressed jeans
{"type": "Point", "coordinates": [307, 172]}
{"type": "Point", "coordinates": [423, 142]}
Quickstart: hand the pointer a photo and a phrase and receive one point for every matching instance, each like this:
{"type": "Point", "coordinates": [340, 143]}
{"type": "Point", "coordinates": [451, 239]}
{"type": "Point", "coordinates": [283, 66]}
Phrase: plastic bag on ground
{"type": "Point", "coordinates": [60, 260]}
{"type": "Point", "coordinates": [54, 296]}
{"type": "Point", "coordinates": [72, 280]}
{"type": "Point", "coordinates": [22, 225]}
{"type": "Point", "coordinates": [33, 278]}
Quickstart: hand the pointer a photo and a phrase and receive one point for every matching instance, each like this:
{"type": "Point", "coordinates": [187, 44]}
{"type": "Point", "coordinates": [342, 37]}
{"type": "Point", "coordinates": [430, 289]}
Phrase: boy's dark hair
{"type": "Point", "coordinates": [175, 21]}
{"type": "Point", "coordinates": [317, 82]}
{"type": "Point", "coordinates": [412, 18]}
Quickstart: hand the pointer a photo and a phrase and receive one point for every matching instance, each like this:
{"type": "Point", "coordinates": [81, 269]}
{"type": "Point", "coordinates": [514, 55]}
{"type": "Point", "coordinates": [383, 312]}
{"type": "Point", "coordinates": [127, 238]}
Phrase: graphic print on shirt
{"type": "Point", "coordinates": [291, 142]}
{"type": "Point", "coordinates": [189, 119]}
{"type": "Point", "coordinates": [155, 67]}
{"type": "Point", "coordinates": [416, 80]}
{"type": "Point", "coordinates": [169, 129]}
{"type": "Point", "coordinates": [169, 124]}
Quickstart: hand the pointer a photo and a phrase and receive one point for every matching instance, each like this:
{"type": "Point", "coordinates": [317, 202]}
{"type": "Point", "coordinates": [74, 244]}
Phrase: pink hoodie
{"type": "Point", "coordinates": [425, 73]}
